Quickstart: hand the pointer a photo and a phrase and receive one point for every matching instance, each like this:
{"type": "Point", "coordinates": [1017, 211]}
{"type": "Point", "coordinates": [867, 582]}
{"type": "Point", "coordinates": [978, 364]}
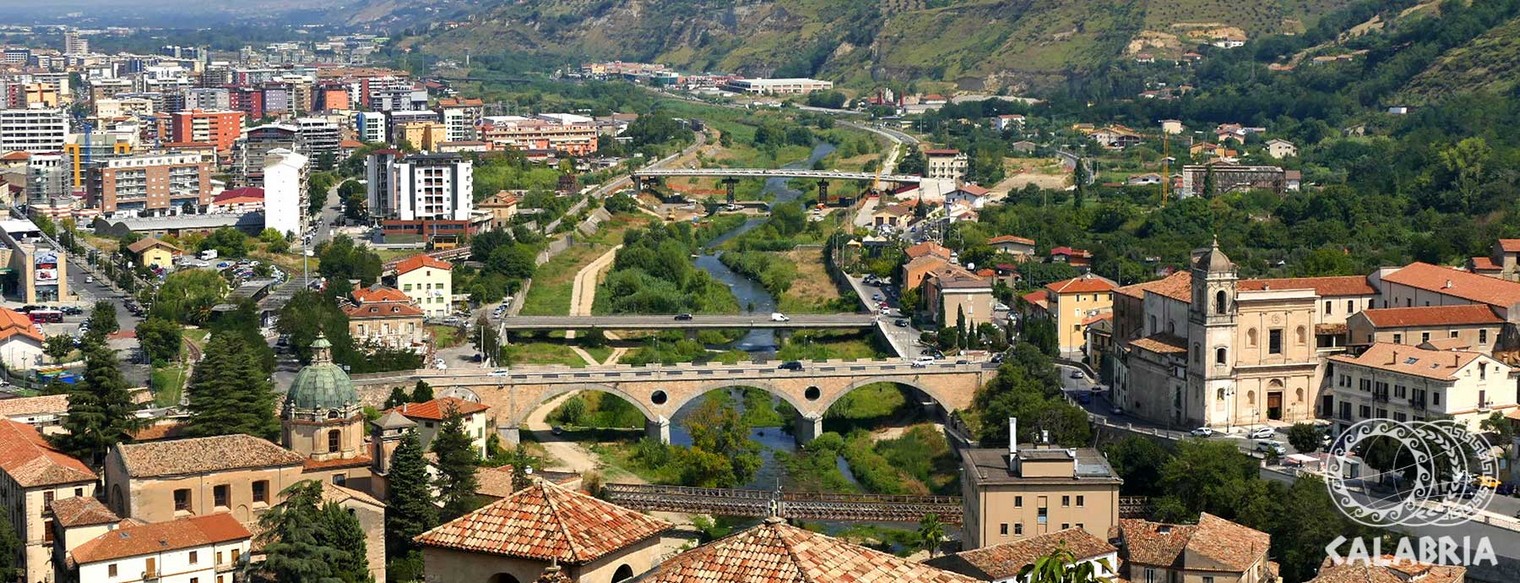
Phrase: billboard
{"type": "Point", "coordinates": [45, 267]}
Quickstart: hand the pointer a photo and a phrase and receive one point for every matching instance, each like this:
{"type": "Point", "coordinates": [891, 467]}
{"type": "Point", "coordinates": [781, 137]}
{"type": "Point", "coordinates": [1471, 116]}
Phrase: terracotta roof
{"type": "Point", "coordinates": [1161, 343]}
{"type": "Point", "coordinates": [972, 189]}
{"type": "Point", "coordinates": [310, 465]}
{"type": "Point", "coordinates": [941, 152]}
{"type": "Point", "coordinates": [243, 195]}
{"type": "Point", "coordinates": [131, 540]}
{"type": "Point", "coordinates": [416, 262]}
{"type": "Point", "coordinates": [1338, 285]}
{"type": "Point", "coordinates": [1233, 546]}
{"type": "Point", "coordinates": [1001, 239]}
{"type": "Point", "coordinates": [497, 482]}
{"type": "Point", "coordinates": [376, 310]}
{"type": "Point", "coordinates": [1456, 283]}
{"type": "Point", "coordinates": [1509, 245]}
{"type": "Point", "coordinates": [1039, 298]}
{"type": "Point", "coordinates": [1004, 561]}
{"type": "Point", "coordinates": [1465, 315]}
{"type": "Point", "coordinates": [775, 552]}
{"type": "Point", "coordinates": [82, 511]}
{"type": "Point", "coordinates": [1446, 344]}
{"type": "Point", "coordinates": [1478, 264]}
{"type": "Point", "coordinates": [147, 243]}
{"type": "Point", "coordinates": [1080, 285]}
{"type": "Point", "coordinates": [1177, 286]}
{"type": "Point", "coordinates": [334, 493]}
{"type": "Point", "coordinates": [927, 248]}
{"type": "Point", "coordinates": [31, 461]}
{"type": "Point", "coordinates": [1412, 360]}
{"type": "Point", "coordinates": [1098, 318]}
{"type": "Point", "coordinates": [42, 405]}
{"type": "Point", "coordinates": [546, 522]}
{"type": "Point", "coordinates": [379, 293]}
{"type": "Point", "coordinates": [14, 323]}
{"type": "Point", "coordinates": [202, 455]}
{"type": "Point", "coordinates": [435, 409]}
{"type": "Point", "coordinates": [1395, 571]}
{"type": "Point", "coordinates": [16, 156]}
{"type": "Point", "coordinates": [1069, 252]}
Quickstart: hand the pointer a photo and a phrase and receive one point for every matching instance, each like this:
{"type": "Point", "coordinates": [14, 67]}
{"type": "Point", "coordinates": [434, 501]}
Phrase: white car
{"type": "Point", "coordinates": [922, 361]}
{"type": "Point", "coordinates": [1202, 432]}
{"type": "Point", "coordinates": [779, 317]}
{"type": "Point", "coordinates": [1262, 433]}
{"type": "Point", "coordinates": [1269, 446]}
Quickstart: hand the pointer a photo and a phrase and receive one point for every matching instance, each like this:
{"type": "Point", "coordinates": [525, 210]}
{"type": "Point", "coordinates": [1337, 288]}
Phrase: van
{"type": "Point", "coordinates": [923, 361]}
{"type": "Point", "coordinates": [779, 317]}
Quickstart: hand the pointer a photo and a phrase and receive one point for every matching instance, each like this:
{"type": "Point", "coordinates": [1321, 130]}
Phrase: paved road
{"type": "Point", "coordinates": [699, 321]}
{"type": "Point", "coordinates": [685, 371]}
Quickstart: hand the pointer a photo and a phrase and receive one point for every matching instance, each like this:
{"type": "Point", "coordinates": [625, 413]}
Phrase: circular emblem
{"type": "Point", "coordinates": [1426, 473]}
{"type": "Point", "coordinates": [1276, 319]}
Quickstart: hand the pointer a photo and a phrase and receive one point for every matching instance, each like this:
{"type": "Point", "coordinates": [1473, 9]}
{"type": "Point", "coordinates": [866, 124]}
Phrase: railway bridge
{"type": "Point", "coordinates": [730, 177]}
{"type": "Point", "coordinates": [790, 505]}
{"type": "Point", "coordinates": [658, 391]}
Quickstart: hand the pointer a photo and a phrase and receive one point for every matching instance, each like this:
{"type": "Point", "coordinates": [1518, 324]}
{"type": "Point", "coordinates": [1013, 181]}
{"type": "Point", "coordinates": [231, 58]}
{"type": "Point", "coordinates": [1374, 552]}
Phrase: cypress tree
{"type": "Point", "coordinates": [422, 393]}
{"type": "Point", "coordinates": [229, 393]}
{"type": "Point", "coordinates": [410, 510]}
{"type": "Point", "coordinates": [341, 530]}
{"type": "Point", "coordinates": [101, 411]}
{"type": "Point", "coordinates": [961, 339]}
{"type": "Point", "coordinates": [457, 460]}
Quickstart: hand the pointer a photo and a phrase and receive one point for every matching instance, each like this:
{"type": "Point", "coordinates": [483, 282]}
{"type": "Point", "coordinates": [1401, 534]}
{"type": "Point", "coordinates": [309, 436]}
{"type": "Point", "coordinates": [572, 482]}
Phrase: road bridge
{"type": "Point", "coordinates": [697, 321]}
{"type": "Point", "coordinates": [658, 391]}
{"type": "Point", "coordinates": [791, 505]}
{"type": "Point", "coordinates": [730, 177]}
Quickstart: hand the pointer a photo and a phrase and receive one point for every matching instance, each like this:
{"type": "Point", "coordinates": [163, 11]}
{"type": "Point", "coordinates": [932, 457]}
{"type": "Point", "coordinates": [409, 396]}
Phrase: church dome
{"type": "Point", "coordinates": [1212, 260]}
{"type": "Point", "coordinates": [321, 385]}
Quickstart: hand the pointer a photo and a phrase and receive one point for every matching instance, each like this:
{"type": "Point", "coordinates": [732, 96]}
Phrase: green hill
{"type": "Point", "coordinates": [977, 44]}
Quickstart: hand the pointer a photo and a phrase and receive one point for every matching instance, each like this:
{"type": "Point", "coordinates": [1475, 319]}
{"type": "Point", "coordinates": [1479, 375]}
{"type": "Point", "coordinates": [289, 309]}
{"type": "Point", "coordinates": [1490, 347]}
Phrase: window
{"type": "Point", "coordinates": [1453, 333]}
{"type": "Point", "coordinates": [1482, 373]}
{"type": "Point", "coordinates": [1018, 501]}
{"type": "Point", "coordinates": [1424, 337]}
{"type": "Point", "coordinates": [1065, 501]}
{"type": "Point", "coordinates": [1327, 307]}
{"type": "Point", "coordinates": [1018, 528]}
{"type": "Point", "coordinates": [1219, 356]}
{"type": "Point", "coordinates": [1274, 341]}
{"type": "Point", "coordinates": [221, 494]}
{"type": "Point", "coordinates": [1364, 411]}
{"type": "Point", "coordinates": [182, 500]}
{"type": "Point", "coordinates": [195, 557]}
{"type": "Point", "coordinates": [334, 440]}
{"type": "Point", "coordinates": [1483, 337]}
{"type": "Point", "coordinates": [195, 580]}
{"type": "Point", "coordinates": [47, 503]}
{"type": "Point", "coordinates": [1208, 579]}
{"type": "Point", "coordinates": [261, 492]}
{"type": "Point", "coordinates": [1150, 575]}
{"type": "Point", "coordinates": [1065, 525]}
{"type": "Point", "coordinates": [1350, 306]}
{"type": "Point", "coordinates": [150, 570]}
{"type": "Point", "coordinates": [1003, 529]}
{"type": "Point", "coordinates": [1043, 516]}
{"type": "Point", "coordinates": [47, 530]}
{"type": "Point", "coordinates": [1251, 338]}
{"type": "Point", "coordinates": [1081, 501]}
{"type": "Point", "coordinates": [1398, 338]}
{"type": "Point", "coordinates": [1435, 398]}
{"type": "Point", "coordinates": [78, 492]}
{"type": "Point", "coordinates": [218, 557]}
{"type": "Point", "coordinates": [111, 570]}
{"type": "Point", "coordinates": [1301, 335]}
{"type": "Point", "coordinates": [1221, 307]}
{"type": "Point", "coordinates": [236, 554]}
{"type": "Point", "coordinates": [340, 479]}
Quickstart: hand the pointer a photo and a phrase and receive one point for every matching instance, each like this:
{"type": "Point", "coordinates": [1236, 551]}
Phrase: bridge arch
{"type": "Point", "coordinates": [553, 391]}
{"type": "Point", "coordinates": [769, 388]}
{"type": "Point", "coordinates": [950, 405]}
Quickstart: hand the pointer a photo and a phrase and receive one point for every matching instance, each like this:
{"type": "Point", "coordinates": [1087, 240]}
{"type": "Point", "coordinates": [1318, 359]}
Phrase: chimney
{"type": "Point", "coordinates": [1013, 436]}
{"type": "Point", "coordinates": [1395, 358]}
{"type": "Point", "coordinates": [1448, 285]}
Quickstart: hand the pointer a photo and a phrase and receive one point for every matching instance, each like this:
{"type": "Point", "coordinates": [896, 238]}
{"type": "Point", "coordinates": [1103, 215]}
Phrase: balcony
{"type": "Point", "coordinates": [1417, 404]}
{"type": "Point", "coordinates": [1380, 396]}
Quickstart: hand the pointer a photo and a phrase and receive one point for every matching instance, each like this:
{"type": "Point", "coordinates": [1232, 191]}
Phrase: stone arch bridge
{"type": "Point", "coordinates": [659, 391]}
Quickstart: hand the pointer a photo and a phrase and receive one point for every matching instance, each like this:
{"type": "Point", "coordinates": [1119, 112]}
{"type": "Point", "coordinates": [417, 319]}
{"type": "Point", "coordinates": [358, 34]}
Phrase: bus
{"type": "Point", "coordinates": [45, 316]}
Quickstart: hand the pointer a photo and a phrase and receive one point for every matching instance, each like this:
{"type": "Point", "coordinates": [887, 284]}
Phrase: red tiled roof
{"type": "Point", "coordinates": [942, 152]}
{"type": "Point", "coordinates": [309, 465]}
{"type": "Point", "coordinates": [1069, 252]}
{"type": "Point", "coordinates": [1161, 343]}
{"type": "Point", "coordinates": [1459, 284]}
{"type": "Point", "coordinates": [1441, 365]}
{"type": "Point", "coordinates": [1004, 561]}
{"type": "Point", "coordinates": [416, 262]}
{"type": "Point", "coordinates": [1480, 264]}
{"type": "Point", "coordinates": [1470, 314]}
{"type": "Point", "coordinates": [1039, 298]}
{"type": "Point", "coordinates": [131, 540]}
{"type": "Point", "coordinates": [82, 511]}
{"type": "Point", "coordinates": [31, 461]}
{"type": "Point", "coordinates": [379, 293]}
{"type": "Point", "coordinates": [1391, 570]}
{"type": "Point", "coordinates": [41, 405]}
{"type": "Point", "coordinates": [545, 522]}
{"type": "Point", "coordinates": [377, 310]}
{"type": "Point", "coordinates": [16, 156]}
{"type": "Point", "coordinates": [243, 195]}
{"type": "Point", "coordinates": [1216, 540]}
{"type": "Point", "coordinates": [1509, 245]}
{"type": "Point", "coordinates": [147, 243]}
{"type": "Point", "coordinates": [927, 248]}
{"type": "Point", "coordinates": [972, 189]}
{"type": "Point", "coordinates": [775, 552]}
{"type": "Point", "coordinates": [1001, 239]}
{"type": "Point", "coordinates": [1080, 285]}
{"type": "Point", "coordinates": [202, 455]}
{"type": "Point", "coordinates": [1177, 286]}
{"type": "Point", "coordinates": [435, 409]}
{"type": "Point", "coordinates": [13, 323]}
{"type": "Point", "coordinates": [1338, 285]}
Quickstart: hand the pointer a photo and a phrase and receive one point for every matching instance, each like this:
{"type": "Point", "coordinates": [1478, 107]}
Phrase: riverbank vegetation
{"type": "Point", "coordinates": [1027, 386]}
{"type": "Point", "coordinates": [919, 461]}
{"type": "Point", "coordinates": [553, 282]}
{"type": "Point", "coordinates": [653, 274]}
{"type": "Point", "coordinates": [831, 344]}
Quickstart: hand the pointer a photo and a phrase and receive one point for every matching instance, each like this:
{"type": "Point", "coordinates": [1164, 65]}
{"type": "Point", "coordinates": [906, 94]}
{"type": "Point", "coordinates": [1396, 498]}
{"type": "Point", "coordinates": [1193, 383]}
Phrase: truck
{"type": "Point", "coordinates": [208, 254]}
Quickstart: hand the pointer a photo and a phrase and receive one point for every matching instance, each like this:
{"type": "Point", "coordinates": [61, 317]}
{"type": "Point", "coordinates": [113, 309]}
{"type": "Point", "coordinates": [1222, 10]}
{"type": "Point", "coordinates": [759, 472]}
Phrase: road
{"type": "Point", "coordinates": [905, 340]}
{"type": "Point", "coordinates": [711, 371]}
{"type": "Point", "coordinates": [699, 321]}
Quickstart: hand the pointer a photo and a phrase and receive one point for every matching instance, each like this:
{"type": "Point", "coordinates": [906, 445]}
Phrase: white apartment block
{"type": "Point", "coordinates": [945, 164]}
{"type": "Point", "coordinates": [791, 86]}
{"type": "Point", "coordinates": [285, 174]}
{"type": "Point", "coordinates": [461, 119]}
{"type": "Point", "coordinates": [195, 549]}
{"type": "Point", "coordinates": [1416, 383]}
{"type": "Point", "coordinates": [33, 130]}
{"type": "Point", "coordinates": [322, 135]}
{"type": "Point", "coordinates": [369, 127]}
{"type": "Point", "coordinates": [432, 186]}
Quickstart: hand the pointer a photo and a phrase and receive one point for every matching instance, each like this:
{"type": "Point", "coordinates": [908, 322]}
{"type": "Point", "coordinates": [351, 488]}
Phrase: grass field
{"type": "Point", "coordinates": [812, 291]}
{"type": "Point", "coordinates": [550, 293]}
{"type": "Point", "coordinates": [168, 385]}
{"type": "Point", "coordinates": [446, 336]}
{"type": "Point", "coordinates": [543, 353]}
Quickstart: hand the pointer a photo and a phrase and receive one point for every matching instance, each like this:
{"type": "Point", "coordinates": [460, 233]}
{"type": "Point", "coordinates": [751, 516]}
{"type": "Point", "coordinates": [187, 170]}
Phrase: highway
{"type": "Point", "coordinates": [699, 321]}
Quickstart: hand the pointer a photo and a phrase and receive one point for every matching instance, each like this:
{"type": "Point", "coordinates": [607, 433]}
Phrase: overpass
{"type": "Point", "coordinates": [731, 176]}
{"type": "Point", "coordinates": [785, 504]}
{"type": "Point", "coordinates": [658, 391]}
{"type": "Point", "coordinates": [698, 321]}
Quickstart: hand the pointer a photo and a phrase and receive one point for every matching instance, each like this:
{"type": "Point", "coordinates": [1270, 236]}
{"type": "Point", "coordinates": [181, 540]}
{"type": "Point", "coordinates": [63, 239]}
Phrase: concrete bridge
{"type": "Point", "coordinates": [786, 504]}
{"type": "Point", "coordinates": [698, 321]}
{"type": "Point", "coordinates": [731, 177]}
{"type": "Point", "coordinates": [659, 391]}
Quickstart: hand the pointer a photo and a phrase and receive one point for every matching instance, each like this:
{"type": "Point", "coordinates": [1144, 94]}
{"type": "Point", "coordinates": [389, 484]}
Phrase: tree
{"type": "Point", "coordinates": [1304, 437]}
{"type": "Point", "coordinates": [457, 461]}
{"type": "Point", "coordinates": [397, 398]}
{"type": "Point", "coordinates": [229, 394]}
{"type": "Point", "coordinates": [1497, 424]}
{"type": "Point", "coordinates": [101, 411]}
{"type": "Point", "coordinates": [422, 392]}
{"type": "Point", "coordinates": [1138, 461]}
{"type": "Point", "coordinates": [58, 346]}
{"type": "Point", "coordinates": [1060, 566]}
{"type": "Point", "coordinates": [187, 296]}
{"type": "Point", "coordinates": [341, 260]}
{"type": "Point", "coordinates": [103, 319]}
{"type": "Point", "coordinates": [1041, 333]}
{"type": "Point", "coordinates": [961, 339]}
{"type": "Point", "coordinates": [159, 338]}
{"type": "Point", "coordinates": [411, 510]}
{"type": "Point", "coordinates": [293, 535]}
{"type": "Point", "coordinates": [342, 531]}
{"type": "Point", "coordinates": [10, 548]}
{"type": "Point", "coordinates": [228, 242]}
{"type": "Point", "coordinates": [516, 261]}
{"type": "Point", "coordinates": [483, 338]}
{"type": "Point", "coordinates": [724, 453]}
{"type": "Point", "coordinates": [930, 532]}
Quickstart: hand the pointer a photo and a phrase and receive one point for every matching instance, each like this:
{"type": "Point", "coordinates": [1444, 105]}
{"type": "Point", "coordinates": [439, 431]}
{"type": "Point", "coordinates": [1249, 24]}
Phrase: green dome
{"type": "Point", "coordinates": [321, 385]}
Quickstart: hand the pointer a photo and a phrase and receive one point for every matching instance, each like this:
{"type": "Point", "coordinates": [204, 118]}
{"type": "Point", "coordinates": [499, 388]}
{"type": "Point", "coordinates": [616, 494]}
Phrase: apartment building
{"type": "Point", "coordinates": [573, 135]}
{"type": "Point", "coordinates": [385, 317]}
{"type": "Point", "coordinates": [285, 197]}
{"type": "Point", "coordinates": [788, 86]}
{"type": "Point", "coordinates": [955, 295]}
{"type": "Point", "coordinates": [421, 186]}
{"type": "Point", "coordinates": [208, 98]}
{"type": "Point", "coordinates": [197, 126]}
{"type": "Point", "coordinates": [1215, 549]}
{"type": "Point", "coordinates": [1029, 490]}
{"type": "Point", "coordinates": [196, 549]}
{"type": "Point", "coordinates": [1212, 179]}
{"type": "Point", "coordinates": [1416, 383]}
{"type": "Point", "coordinates": [1071, 302]}
{"type": "Point", "coordinates": [251, 150]}
{"type": "Point", "coordinates": [946, 164]}
{"type": "Point", "coordinates": [322, 137]}
{"type": "Point", "coordinates": [152, 184]}
{"type": "Point", "coordinates": [33, 475]}
{"type": "Point", "coordinates": [370, 127]}
{"type": "Point", "coordinates": [461, 118]}
{"type": "Point", "coordinates": [429, 282]}
{"type": "Point", "coordinates": [33, 130]}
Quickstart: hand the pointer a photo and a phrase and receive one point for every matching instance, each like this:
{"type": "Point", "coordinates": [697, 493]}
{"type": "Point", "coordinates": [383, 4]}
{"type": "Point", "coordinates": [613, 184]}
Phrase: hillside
{"type": "Point", "coordinates": [1490, 62]}
{"type": "Point", "coordinates": [978, 44]}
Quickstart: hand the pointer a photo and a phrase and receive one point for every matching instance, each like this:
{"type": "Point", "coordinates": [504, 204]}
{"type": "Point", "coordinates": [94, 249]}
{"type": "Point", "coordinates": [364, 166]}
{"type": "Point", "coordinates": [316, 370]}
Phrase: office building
{"type": "Point", "coordinates": [793, 86]}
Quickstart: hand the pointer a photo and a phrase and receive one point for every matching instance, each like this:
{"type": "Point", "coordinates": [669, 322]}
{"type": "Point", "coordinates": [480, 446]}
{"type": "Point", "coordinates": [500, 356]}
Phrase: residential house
{"type": "Point", "coordinates": [1172, 127]}
{"type": "Point", "coordinates": [1026, 491]}
{"type": "Point", "coordinates": [1023, 146]}
{"type": "Point", "coordinates": [502, 206]}
{"type": "Point", "coordinates": [33, 475]}
{"type": "Point", "coordinates": [1230, 131]}
{"type": "Point", "coordinates": [1117, 137]}
{"type": "Point", "coordinates": [1279, 149]}
{"type": "Point", "coordinates": [239, 201]}
{"type": "Point", "coordinates": [539, 528]}
{"type": "Point", "coordinates": [1001, 563]}
{"type": "Point", "coordinates": [1418, 383]}
{"type": "Point", "coordinates": [1475, 326]}
{"type": "Point", "coordinates": [385, 317]}
{"type": "Point", "coordinates": [1008, 122]}
{"type": "Point", "coordinates": [431, 415]}
{"type": "Point", "coordinates": [1147, 179]}
{"type": "Point", "coordinates": [428, 282]}
{"type": "Point", "coordinates": [159, 481]}
{"type": "Point", "coordinates": [1212, 179]}
{"type": "Point", "coordinates": [967, 195]}
{"type": "Point", "coordinates": [193, 549]}
{"type": "Point", "coordinates": [1214, 549]}
{"type": "Point", "coordinates": [951, 292]}
{"type": "Point", "coordinates": [1502, 262]}
{"type": "Point", "coordinates": [1212, 149]}
{"type": "Point", "coordinates": [929, 248]}
{"type": "Point", "coordinates": [1020, 248]}
{"type": "Point", "coordinates": [1079, 258]}
{"type": "Point", "coordinates": [44, 412]}
{"type": "Point", "coordinates": [20, 341]}
{"type": "Point", "coordinates": [915, 271]}
{"type": "Point", "coordinates": [151, 252]}
{"type": "Point", "coordinates": [77, 520]}
{"type": "Point", "coordinates": [1073, 301]}
{"type": "Point", "coordinates": [947, 164]}
{"type": "Point", "coordinates": [896, 216]}
{"type": "Point", "coordinates": [776, 552]}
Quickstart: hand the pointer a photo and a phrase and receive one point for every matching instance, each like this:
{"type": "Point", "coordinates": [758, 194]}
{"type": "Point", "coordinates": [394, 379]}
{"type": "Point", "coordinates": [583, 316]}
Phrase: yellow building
{"type": "Point", "coordinates": [428, 281]}
{"type": "Point", "coordinates": [1071, 302]}
{"type": "Point", "coordinates": [152, 252]}
{"type": "Point", "coordinates": [1035, 490]}
{"type": "Point", "coordinates": [423, 135]}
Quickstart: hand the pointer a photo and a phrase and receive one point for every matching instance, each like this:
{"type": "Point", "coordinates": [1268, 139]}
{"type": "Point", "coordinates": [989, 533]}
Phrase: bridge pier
{"type": "Point", "coordinates": [807, 428]}
{"type": "Point", "coordinates": [823, 192]}
{"type": "Point", "coordinates": [510, 436]}
{"type": "Point", "coordinates": [732, 184]}
{"type": "Point", "coordinates": [658, 429]}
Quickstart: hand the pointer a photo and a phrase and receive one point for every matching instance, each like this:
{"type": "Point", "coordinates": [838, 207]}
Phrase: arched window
{"type": "Point", "coordinates": [1219, 355]}
{"type": "Point", "coordinates": [1197, 353]}
{"type": "Point", "coordinates": [334, 440]}
{"type": "Point", "coordinates": [1218, 394]}
{"type": "Point", "coordinates": [1251, 338]}
{"type": "Point", "coordinates": [623, 573]}
{"type": "Point", "coordinates": [1219, 303]}
{"type": "Point", "coordinates": [1303, 335]}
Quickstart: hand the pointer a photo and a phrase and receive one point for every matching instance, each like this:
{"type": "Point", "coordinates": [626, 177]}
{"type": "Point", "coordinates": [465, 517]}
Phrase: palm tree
{"type": "Point", "coordinates": [1060, 566]}
{"type": "Point", "coordinates": [930, 532]}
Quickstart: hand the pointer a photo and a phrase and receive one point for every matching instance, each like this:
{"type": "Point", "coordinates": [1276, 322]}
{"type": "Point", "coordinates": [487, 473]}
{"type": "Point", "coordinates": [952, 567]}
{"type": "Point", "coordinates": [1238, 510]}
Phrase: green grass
{"type": "Point", "coordinates": [446, 336]}
{"type": "Point", "coordinates": [824, 345]}
{"type": "Point", "coordinates": [168, 385]}
{"type": "Point", "coordinates": [543, 353]}
{"type": "Point", "coordinates": [551, 289]}
{"type": "Point", "coordinates": [870, 404]}
{"type": "Point", "coordinates": [601, 354]}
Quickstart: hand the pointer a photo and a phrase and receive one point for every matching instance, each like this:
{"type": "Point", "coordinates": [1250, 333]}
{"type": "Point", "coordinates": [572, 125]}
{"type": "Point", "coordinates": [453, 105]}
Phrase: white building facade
{"type": "Point", "coordinates": [33, 130]}
{"type": "Point", "coordinates": [432, 186]}
{"type": "Point", "coordinates": [285, 174]}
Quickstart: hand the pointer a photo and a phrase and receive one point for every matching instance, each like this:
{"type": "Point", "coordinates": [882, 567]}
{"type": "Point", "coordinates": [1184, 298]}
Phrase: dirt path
{"type": "Point", "coordinates": [583, 291]}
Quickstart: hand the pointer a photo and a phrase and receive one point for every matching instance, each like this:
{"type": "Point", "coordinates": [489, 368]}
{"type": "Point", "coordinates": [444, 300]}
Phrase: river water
{"type": "Point", "coordinates": [760, 343]}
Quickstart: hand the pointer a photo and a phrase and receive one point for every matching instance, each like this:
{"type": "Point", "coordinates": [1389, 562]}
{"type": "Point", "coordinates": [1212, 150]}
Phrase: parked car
{"type": "Point", "coordinates": [1076, 374]}
{"type": "Point", "coordinates": [1262, 433]}
{"type": "Point", "coordinates": [683, 317]}
{"type": "Point", "coordinates": [1272, 447]}
{"type": "Point", "coordinates": [1202, 432]}
{"type": "Point", "coordinates": [792, 365]}
{"type": "Point", "coordinates": [900, 323]}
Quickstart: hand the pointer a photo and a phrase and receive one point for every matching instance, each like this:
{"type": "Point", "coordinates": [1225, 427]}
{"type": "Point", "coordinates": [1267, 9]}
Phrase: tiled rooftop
{"type": "Point", "coordinates": [82, 511]}
{"type": "Point", "coordinates": [1218, 541]}
{"type": "Point", "coordinates": [1004, 561]}
{"type": "Point", "coordinates": [1412, 360]}
{"type": "Point", "coordinates": [437, 409]}
{"type": "Point", "coordinates": [1456, 283]}
{"type": "Point", "coordinates": [775, 552]}
{"type": "Point", "coordinates": [1401, 572]}
{"type": "Point", "coordinates": [203, 455]}
{"type": "Point", "coordinates": [31, 461]}
{"type": "Point", "coordinates": [131, 539]}
{"type": "Point", "coordinates": [1177, 286]}
{"type": "Point", "coordinates": [41, 405]}
{"type": "Point", "coordinates": [420, 261]}
{"type": "Point", "coordinates": [1464, 315]}
{"type": "Point", "coordinates": [1339, 285]}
